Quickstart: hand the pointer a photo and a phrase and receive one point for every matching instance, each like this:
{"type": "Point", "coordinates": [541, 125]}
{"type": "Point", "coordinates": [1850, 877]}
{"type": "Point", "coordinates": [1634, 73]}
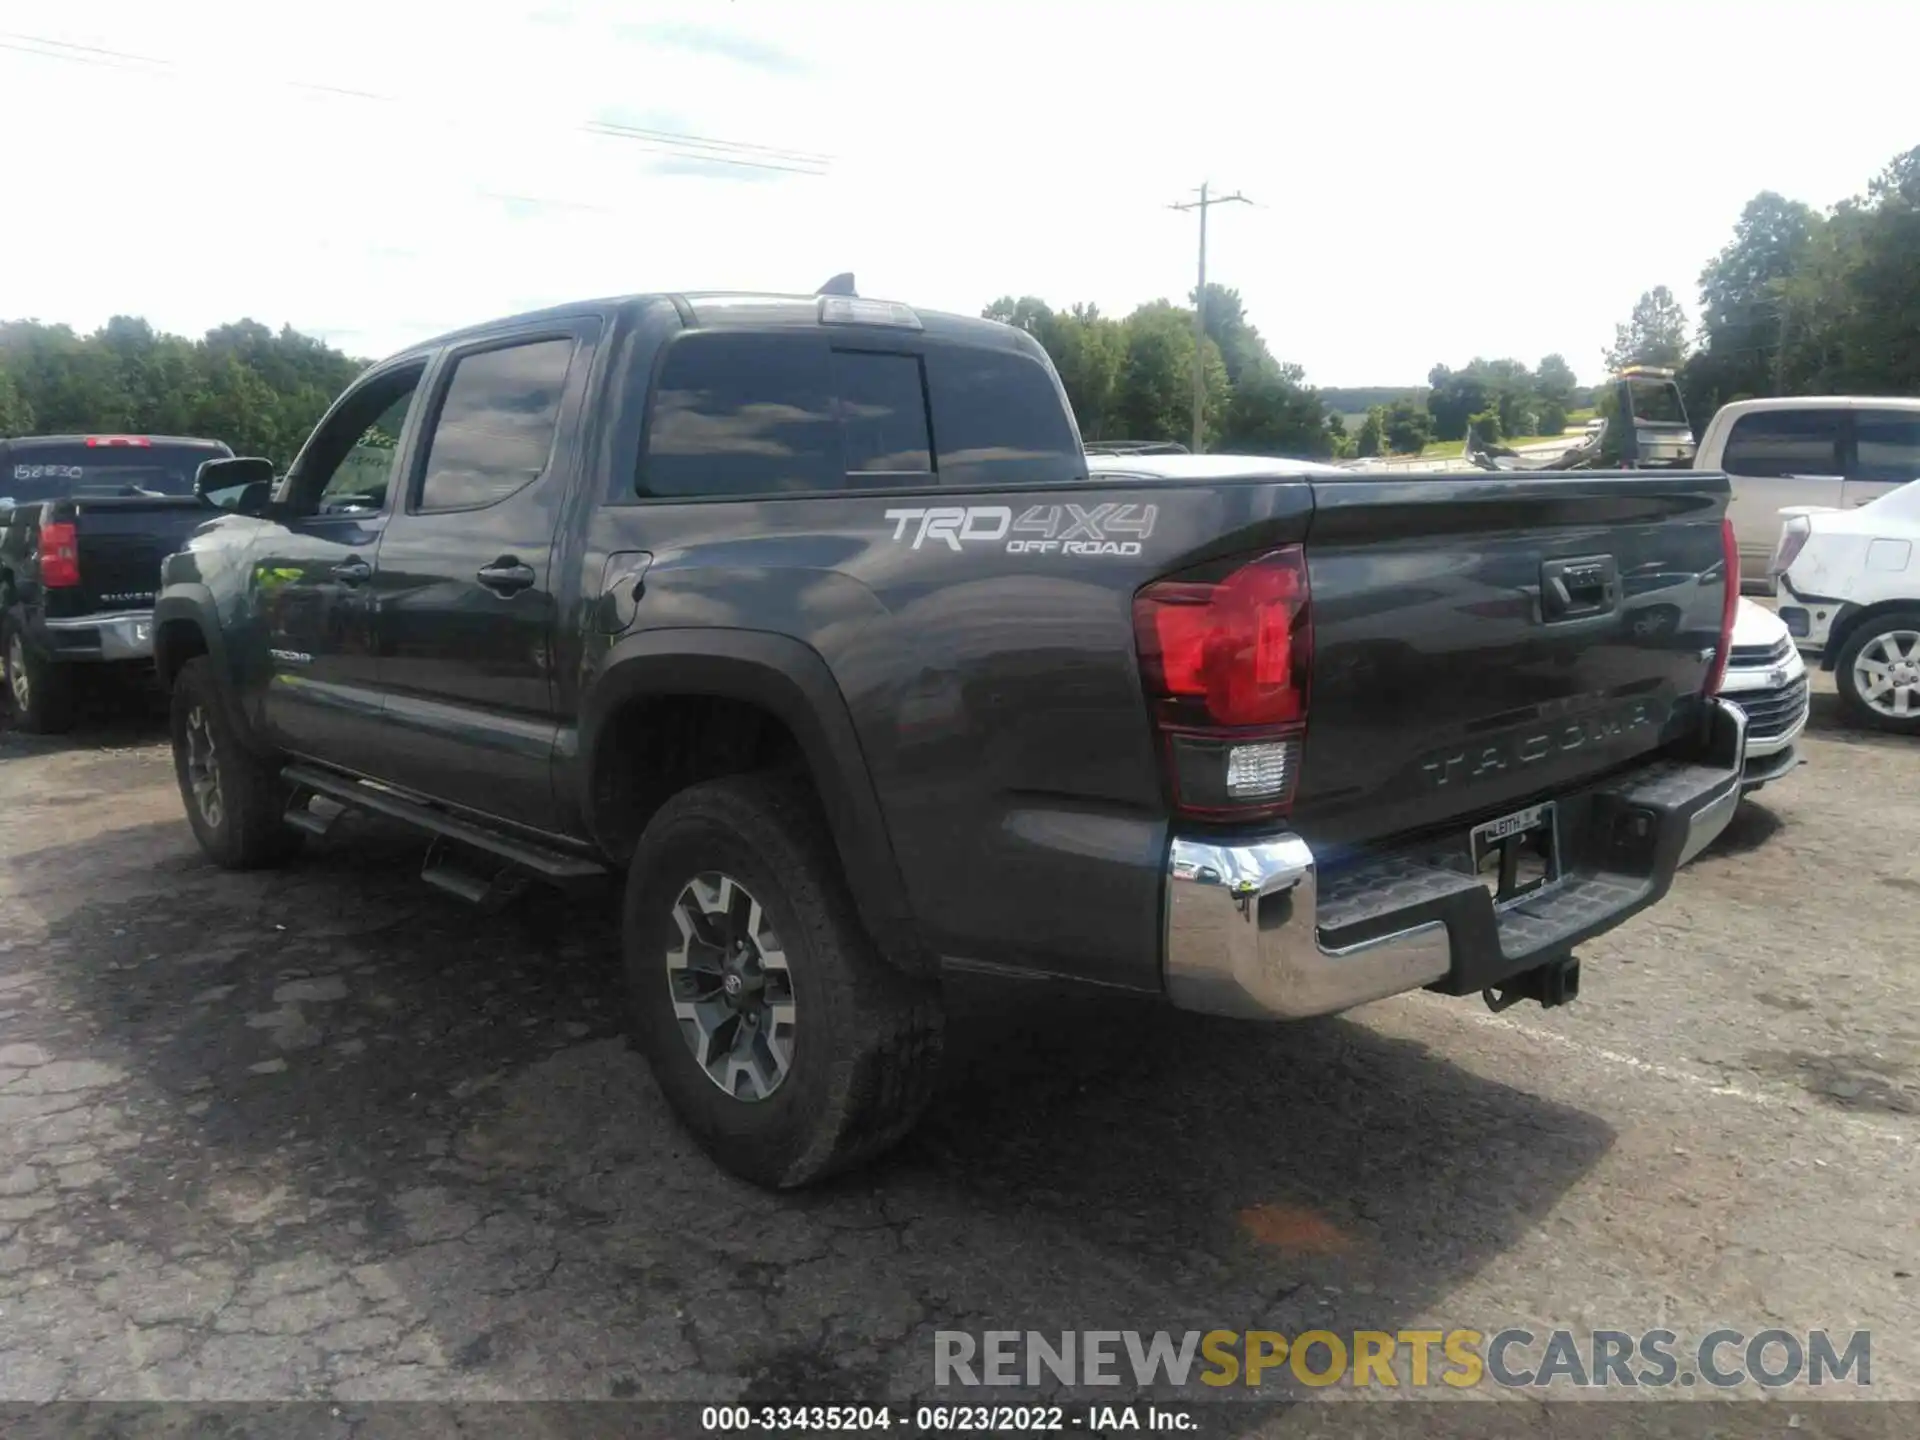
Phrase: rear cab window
{"type": "Point", "coordinates": [133, 466]}
{"type": "Point", "coordinates": [738, 413]}
{"type": "Point", "coordinates": [1776, 443]}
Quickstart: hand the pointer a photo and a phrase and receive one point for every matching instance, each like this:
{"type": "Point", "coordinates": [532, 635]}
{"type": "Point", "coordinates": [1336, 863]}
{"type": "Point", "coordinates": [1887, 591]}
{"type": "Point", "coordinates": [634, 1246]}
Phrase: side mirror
{"type": "Point", "coordinates": [242, 485]}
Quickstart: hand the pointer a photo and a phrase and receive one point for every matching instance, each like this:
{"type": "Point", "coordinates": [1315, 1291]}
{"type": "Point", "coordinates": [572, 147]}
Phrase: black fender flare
{"type": "Point", "coordinates": [193, 604]}
{"type": "Point", "coordinates": [792, 682]}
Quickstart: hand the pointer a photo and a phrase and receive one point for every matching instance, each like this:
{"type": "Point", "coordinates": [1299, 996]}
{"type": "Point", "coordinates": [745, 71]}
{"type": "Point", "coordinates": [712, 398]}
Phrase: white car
{"type": "Point", "coordinates": [1850, 595]}
{"type": "Point", "coordinates": [1766, 678]}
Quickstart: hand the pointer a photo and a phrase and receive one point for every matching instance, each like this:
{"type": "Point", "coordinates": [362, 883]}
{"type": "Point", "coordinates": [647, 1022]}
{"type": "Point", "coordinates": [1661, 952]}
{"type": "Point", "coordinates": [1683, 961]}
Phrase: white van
{"type": "Point", "coordinates": [1834, 450]}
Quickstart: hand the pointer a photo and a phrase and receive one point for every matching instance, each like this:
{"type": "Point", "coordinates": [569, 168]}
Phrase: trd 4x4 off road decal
{"type": "Point", "coordinates": [1039, 529]}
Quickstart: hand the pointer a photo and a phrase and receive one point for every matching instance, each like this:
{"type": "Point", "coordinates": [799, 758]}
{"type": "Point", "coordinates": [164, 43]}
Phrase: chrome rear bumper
{"type": "Point", "coordinates": [126, 635]}
{"type": "Point", "coordinates": [1246, 932]}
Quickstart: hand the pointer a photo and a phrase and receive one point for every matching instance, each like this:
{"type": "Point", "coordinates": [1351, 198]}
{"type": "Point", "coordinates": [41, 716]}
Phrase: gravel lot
{"type": "Point", "coordinates": [326, 1132]}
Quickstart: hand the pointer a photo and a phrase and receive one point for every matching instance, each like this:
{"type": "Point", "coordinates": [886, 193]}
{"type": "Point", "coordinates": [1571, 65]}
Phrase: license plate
{"type": "Point", "coordinates": [1518, 854]}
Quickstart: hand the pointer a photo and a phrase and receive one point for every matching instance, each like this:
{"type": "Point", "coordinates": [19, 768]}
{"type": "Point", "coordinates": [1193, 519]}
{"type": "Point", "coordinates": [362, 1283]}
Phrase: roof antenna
{"type": "Point", "coordinates": [841, 284]}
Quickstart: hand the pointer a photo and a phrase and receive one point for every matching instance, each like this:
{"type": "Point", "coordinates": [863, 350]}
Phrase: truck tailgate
{"type": "Point", "coordinates": [122, 540]}
{"type": "Point", "coordinates": [1481, 642]}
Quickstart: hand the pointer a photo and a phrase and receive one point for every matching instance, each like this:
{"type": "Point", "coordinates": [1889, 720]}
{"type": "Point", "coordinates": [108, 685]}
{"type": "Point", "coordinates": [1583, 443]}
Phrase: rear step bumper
{"type": "Point", "coordinates": [1254, 929]}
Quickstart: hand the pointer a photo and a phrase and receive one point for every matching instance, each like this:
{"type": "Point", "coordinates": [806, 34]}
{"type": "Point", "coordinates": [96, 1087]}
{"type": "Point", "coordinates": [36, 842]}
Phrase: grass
{"type": "Point", "coordinates": [1448, 449]}
{"type": "Point", "coordinates": [1453, 449]}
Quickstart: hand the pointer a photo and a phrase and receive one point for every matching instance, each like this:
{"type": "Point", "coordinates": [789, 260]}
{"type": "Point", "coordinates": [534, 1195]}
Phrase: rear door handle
{"type": "Point", "coordinates": [506, 576]}
{"type": "Point", "coordinates": [353, 571]}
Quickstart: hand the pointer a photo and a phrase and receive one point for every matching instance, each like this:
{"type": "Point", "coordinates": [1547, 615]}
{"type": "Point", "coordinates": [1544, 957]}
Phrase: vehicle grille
{"type": "Point", "coordinates": [1761, 655]}
{"type": "Point", "coordinates": [1773, 712]}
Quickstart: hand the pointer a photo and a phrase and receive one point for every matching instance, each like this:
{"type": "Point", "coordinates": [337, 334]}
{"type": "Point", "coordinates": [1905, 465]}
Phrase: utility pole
{"type": "Point", "coordinates": [1200, 302]}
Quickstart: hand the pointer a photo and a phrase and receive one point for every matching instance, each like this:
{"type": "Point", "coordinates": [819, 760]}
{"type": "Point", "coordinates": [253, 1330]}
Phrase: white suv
{"type": "Point", "coordinates": [1834, 451]}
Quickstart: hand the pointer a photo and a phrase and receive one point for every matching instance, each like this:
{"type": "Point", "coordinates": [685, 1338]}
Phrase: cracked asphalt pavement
{"type": "Point", "coordinates": [326, 1133]}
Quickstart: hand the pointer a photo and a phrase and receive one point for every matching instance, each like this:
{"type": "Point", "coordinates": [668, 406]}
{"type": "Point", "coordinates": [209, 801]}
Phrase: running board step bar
{"type": "Point", "coordinates": [443, 869]}
{"type": "Point", "coordinates": [309, 780]}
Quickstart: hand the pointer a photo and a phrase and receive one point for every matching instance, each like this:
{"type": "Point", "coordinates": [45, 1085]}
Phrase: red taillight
{"type": "Point", "coordinates": [1225, 663]}
{"type": "Point", "coordinates": [59, 557]}
{"type": "Point", "coordinates": [1729, 607]}
{"type": "Point", "coordinates": [97, 440]}
{"type": "Point", "coordinates": [1234, 651]}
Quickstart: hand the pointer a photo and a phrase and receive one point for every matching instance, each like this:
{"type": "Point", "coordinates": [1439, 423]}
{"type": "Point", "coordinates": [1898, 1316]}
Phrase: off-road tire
{"type": "Point", "coordinates": [1855, 704]}
{"type": "Point", "coordinates": [867, 1037]}
{"type": "Point", "coordinates": [49, 685]}
{"type": "Point", "coordinates": [248, 831]}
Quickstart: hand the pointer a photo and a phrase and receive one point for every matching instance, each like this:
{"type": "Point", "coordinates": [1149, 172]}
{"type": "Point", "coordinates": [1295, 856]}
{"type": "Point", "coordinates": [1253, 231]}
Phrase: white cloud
{"type": "Point", "coordinates": [1434, 181]}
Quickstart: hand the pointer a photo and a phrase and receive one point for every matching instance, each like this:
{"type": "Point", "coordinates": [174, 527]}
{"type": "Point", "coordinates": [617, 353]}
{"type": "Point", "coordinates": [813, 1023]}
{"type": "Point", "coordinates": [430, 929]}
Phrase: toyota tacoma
{"type": "Point", "coordinates": [809, 617]}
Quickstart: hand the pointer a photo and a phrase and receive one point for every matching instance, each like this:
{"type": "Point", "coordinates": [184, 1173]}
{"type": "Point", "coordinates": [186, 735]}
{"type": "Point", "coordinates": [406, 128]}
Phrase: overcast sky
{"type": "Point", "coordinates": [1434, 181]}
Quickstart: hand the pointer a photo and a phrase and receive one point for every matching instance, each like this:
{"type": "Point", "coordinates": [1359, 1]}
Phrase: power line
{"type": "Point", "coordinates": [606, 127]}
{"type": "Point", "coordinates": [671, 143]}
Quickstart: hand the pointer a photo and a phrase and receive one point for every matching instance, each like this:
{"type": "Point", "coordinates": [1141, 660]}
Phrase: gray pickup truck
{"type": "Point", "coordinates": [808, 616]}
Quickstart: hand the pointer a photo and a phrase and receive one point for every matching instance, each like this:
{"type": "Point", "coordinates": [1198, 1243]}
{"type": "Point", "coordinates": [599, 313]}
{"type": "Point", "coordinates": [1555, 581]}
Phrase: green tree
{"type": "Point", "coordinates": [1154, 396]}
{"type": "Point", "coordinates": [1272, 411]}
{"type": "Point", "coordinates": [1339, 442]}
{"type": "Point", "coordinates": [16, 415]}
{"type": "Point", "coordinates": [1133, 378]}
{"type": "Point", "coordinates": [1407, 426]}
{"type": "Point", "coordinates": [1744, 293]}
{"type": "Point", "coordinates": [1655, 333]}
{"type": "Point", "coordinates": [1455, 396]}
{"type": "Point", "coordinates": [1372, 439]}
{"type": "Point", "coordinates": [1554, 386]}
{"type": "Point", "coordinates": [242, 383]}
{"type": "Point", "coordinates": [1242, 350]}
{"type": "Point", "coordinates": [1028, 313]}
{"type": "Point", "coordinates": [1089, 351]}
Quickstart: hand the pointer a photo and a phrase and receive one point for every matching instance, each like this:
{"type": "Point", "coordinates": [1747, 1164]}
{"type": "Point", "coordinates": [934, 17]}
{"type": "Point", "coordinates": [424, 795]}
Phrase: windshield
{"type": "Point", "coordinates": [1657, 402]}
{"type": "Point", "coordinates": [53, 472]}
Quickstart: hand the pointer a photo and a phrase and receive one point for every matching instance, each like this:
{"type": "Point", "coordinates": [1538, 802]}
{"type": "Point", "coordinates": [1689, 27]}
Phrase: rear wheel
{"type": "Point", "coordinates": [39, 692]}
{"type": "Point", "coordinates": [235, 800]}
{"type": "Point", "coordinates": [784, 1042]}
{"type": "Point", "coordinates": [1878, 673]}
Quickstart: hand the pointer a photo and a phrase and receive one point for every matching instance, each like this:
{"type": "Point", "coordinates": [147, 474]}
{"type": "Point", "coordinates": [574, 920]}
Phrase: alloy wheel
{"type": "Point", "coordinates": [731, 990]}
{"type": "Point", "coordinates": [1886, 672]}
{"type": "Point", "coordinates": [203, 771]}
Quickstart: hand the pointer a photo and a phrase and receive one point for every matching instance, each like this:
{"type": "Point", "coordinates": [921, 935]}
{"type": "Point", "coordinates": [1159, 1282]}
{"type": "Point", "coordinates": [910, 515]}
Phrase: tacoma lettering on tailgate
{"type": "Point", "coordinates": [1528, 744]}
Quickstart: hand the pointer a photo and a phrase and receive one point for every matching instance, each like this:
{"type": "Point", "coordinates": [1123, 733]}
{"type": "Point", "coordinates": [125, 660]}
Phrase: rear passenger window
{"type": "Point", "coordinates": [756, 414]}
{"type": "Point", "coordinates": [742, 415]}
{"type": "Point", "coordinates": [496, 426]}
{"type": "Point", "coordinates": [1784, 442]}
{"type": "Point", "coordinates": [1888, 445]}
{"type": "Point", "coordinates": [998, 416]}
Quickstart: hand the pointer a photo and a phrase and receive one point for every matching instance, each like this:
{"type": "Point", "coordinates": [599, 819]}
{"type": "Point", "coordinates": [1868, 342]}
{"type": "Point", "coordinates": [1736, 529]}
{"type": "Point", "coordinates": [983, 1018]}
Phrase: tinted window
{"type": "Point", "coordinates": [998, 416]}
{"type": "Point", "coordinates": [50, 472]}
{"type": "Point", "coordinates": [496, 426]}
{"type": "Point", "coordinates": [742, 415]}
{"type": "Point", "coordinates": [1784, 442]}
{"type": "Point", "coordinates": [883, 412]}
{"type": "Point", "coordinates": [1888, 442]}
